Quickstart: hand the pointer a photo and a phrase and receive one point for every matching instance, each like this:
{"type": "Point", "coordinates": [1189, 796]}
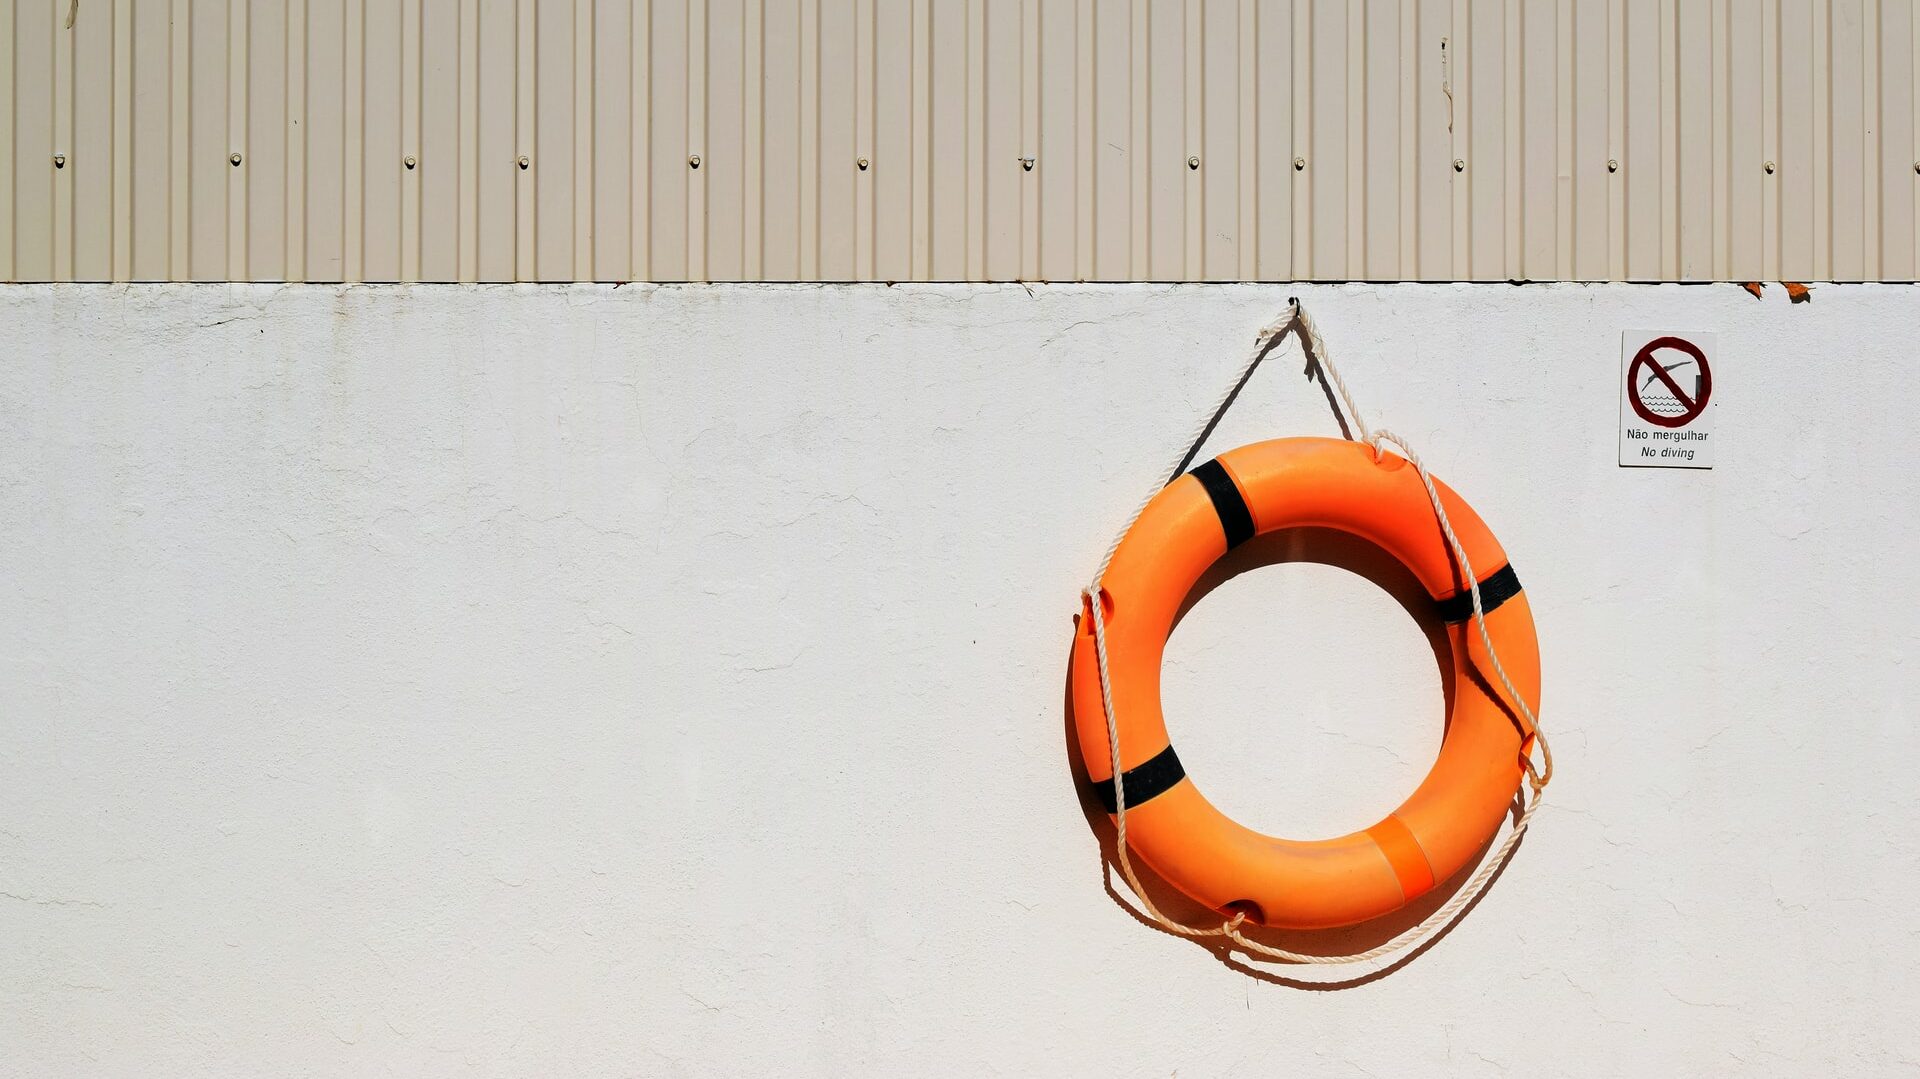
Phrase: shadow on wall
{"type": "Point", "coordinates": [1358, 556]}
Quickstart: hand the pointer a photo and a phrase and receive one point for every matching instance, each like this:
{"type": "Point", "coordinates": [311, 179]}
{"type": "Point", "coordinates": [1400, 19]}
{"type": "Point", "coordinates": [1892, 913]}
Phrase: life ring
{"type": "Point", "coordinates": [1457, 809]}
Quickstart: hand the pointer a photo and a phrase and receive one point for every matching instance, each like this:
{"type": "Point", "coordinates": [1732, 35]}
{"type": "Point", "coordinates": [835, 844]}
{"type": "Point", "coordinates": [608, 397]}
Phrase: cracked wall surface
{"type": "Point", "coordinates": [669, 681]}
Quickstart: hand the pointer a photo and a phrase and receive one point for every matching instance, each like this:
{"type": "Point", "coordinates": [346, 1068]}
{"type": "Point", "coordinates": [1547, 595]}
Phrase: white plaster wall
{"type": "Point", "coordinates": [669, 681]}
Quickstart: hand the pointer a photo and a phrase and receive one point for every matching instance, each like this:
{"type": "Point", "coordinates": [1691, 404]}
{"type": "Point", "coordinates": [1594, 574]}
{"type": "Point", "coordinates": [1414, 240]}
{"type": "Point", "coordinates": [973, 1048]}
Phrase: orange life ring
{"type": "Point", "coordinates": [1291, 483]}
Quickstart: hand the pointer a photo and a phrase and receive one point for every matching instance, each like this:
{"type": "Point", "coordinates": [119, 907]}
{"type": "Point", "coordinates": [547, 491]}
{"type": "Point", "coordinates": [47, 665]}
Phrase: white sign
{"type": "Point", "coordinates": [1666, 399]}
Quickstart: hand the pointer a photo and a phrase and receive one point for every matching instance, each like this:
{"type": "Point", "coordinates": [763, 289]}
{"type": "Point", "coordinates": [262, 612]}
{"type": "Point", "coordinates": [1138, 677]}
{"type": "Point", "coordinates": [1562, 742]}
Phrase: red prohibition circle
{"type": "Point", "coordinates": [1692, 406]}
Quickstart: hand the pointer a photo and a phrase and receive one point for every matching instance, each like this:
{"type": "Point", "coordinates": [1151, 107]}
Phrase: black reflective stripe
{"type": "Point", "coordinates": [1145, 783]}
{"type": "Point", "coordinates": [1495, 588]}
{"type": "Point", "coordinates": [1235, 519]}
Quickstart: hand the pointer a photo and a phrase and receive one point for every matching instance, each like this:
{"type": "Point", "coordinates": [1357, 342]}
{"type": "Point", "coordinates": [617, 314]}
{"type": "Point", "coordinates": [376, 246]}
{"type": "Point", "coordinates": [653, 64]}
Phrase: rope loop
{"type": "Point", "coordinates": [1301, 325]}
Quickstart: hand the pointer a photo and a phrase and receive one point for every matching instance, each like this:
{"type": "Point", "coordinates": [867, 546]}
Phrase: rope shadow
{"type": "Point", "coordinates": [1364, 559]}
{"type": "Point", "coordinates": [1312, 371]}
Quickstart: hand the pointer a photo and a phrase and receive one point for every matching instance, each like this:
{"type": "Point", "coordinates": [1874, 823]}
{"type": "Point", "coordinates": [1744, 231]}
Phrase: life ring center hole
{"type": "Point", "coordinates": [1304, 700]}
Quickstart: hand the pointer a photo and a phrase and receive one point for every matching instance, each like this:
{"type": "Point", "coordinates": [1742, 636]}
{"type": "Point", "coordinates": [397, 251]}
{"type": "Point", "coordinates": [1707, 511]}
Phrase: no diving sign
{"type": "Point", "coordinates": [1666, 399]}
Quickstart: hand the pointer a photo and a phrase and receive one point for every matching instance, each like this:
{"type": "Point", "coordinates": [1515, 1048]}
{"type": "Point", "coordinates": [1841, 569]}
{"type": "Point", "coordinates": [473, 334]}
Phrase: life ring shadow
{"type": "Point", "coordinates": [1341, 550]}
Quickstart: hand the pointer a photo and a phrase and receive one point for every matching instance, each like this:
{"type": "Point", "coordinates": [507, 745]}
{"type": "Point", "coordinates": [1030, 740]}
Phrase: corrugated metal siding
{"type": "Point", "coordinates": [556, 140]}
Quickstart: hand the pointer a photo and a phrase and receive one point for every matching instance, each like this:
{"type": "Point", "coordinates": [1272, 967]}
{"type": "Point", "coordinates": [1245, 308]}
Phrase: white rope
{"type": "Point", "coordinates": [1296, 320]}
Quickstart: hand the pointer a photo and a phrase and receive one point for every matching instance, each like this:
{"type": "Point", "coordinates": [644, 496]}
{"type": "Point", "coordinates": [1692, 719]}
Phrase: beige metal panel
{"type": "Point", "coordinates": [921, 221]}
{"type": "Point", "coordinates": [976, 144]}
{"type": "Point", "coordinates": [612, 135]}
{"type": "Point", "coordinates": [295, 222]}
{"type": "Point", "coordinates": [1591, 145]}
{"type": "Point", "coordinates": [1643, 155]}
{"type": "Point", "coordinates": [326, 141]}
{"type": "Point", "coordinates": [1742, 196]}
{"type": "Point", "coordinates": [1539, 149]}
{"type": "Point", "coordinates": [1328, 166]}
{"type": "Point", "coordinates": [1699, 103]}
{"type": "Point", "coordinates": [947, 60]}
{"type": "Point", "coordinates": [382, 141]}
{"type": "Point", "coordinates": [468, 183]}
{"type": "Point", "coordinates": [1192, 230]}
{"type": "Point", "coordinates": [669, 153]}
{"type": "Point", "coordinates": [1271, 223]}
{"type": "Point", "coordinates": [239, 37]}
{"type": "Point", "coordinates": [436, 174]}
{"type": "Point", "coordinates": [835, 172]}
{"type": "Point", "coordinates": [779, 196]}
{"type": "Point", "coordinates": [640, 150]}
{"type": "Point", "coordinates": [262, 144]}
{"type": "Point", "coordinates": [206, 171]}
{"type": "Point", "coordinates": [1170, 139]}
{"type": "Point", "coordinates": [1167, 143]}
{"type": "Point", "coordinates": [63, 140]}
{"type": "Point", "coordinates": [526, 135]}
{"type": "Point", "coordinates": [1437, 109]}
{"type": "Point", "coordinates": [1798, 152]}
{"type": "Point", "coordinates": [753, 139]}
{"type": "Point", "coordinates": [554, 143]}
{"type": "Point", "coordinates": [1384, 136]}
{"type": "Point", "coordinates": [1029, 137]}
{"type": "Point", "coordinates": [90, 214]}
{"type": "Point", "coordinates": [724, 174]}
{"type": "Point", "coordinates": [1822, 105]}
{"type": "Point", "coordinates": [1913, 77]}
{"type": "Point", "coordinates": [1847, 140]}
{"type": "Point", "coordinates": [122, 121]}
{"type": "Point", "coordinates": [808, 134]}
{"type": "Point", "coordinates": [1512, 149]}
{"type": "Point", "coordinates": [1056, 148]}
{"type": "Point", "coordinates": [697, 179]}
{"type": "Point", "coordinates": [895, 133]}
{"type": "Point", "coordinates": [584, 151]}
{"type": "Point", "coordinates": [1720, 122]}
{"type": "Point", "coordinates": [1140, 139]}
{"type": "Point", "coordinates": [1247, 183]}
{"type": "Point", "coordinates": [1111, 58]}
{"type": "Point", "coordinates": [500, 148]}
{"type": "Point", "coordinates": [1670, 147]}
{"type": "Point", "coordinates": [150, 143]}
{"type": "Point", "coordinates": [1899, 156]}
{"type": "Point", "coordinates": [65, 137]}
{"type": "Point", "coordinates": [8, 106]}
{"type": "Point", "coordinates": [1769, 139]}
{"type": "Point", "coordinates": [1463, 122]}
{"type": "Point", "coordinates": [1002, 148]}
{"type": "Point", "coordinates": [353, 159]}
{"type": "Point", "coordinates": [1488, 79]}
{"type": "Point", "coordinates": [407, 172]}
{"type": "Point", "coordinates": [1870, 255]}
{"type": "Point", "coordinates": [34, 26]}
{"type": "Point", "coordinates": [1220, 155]}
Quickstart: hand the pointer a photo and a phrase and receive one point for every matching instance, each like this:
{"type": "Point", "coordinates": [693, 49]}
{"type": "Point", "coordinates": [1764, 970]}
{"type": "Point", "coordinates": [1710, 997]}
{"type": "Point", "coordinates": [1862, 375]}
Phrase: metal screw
{"type": "Point", "coordinates": [1613, 165]}
{"type": "Point", "coordinates": [234, 159]}
{"type": "Point", "coordinates": [693, 162]}
{"type": "Point", "coordinates": [1026, 163]}
{"type": "Point", "coordinates": [1459, 164]}
{"type": "Point", "coordinates": [1299, 164]}
{"type": "Point", "coordinates": [863, 163]}
{"type": "Point", "coordinates": [525, 162]}
{"type": "Point", "coordinates": [409, 161]}
{"type": "Point", "coordinates": [1768, 167]}
{"type": "Point", "coordinates": [59, 161]}
{"type": "Point", "coordinates": [1193, 162]}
